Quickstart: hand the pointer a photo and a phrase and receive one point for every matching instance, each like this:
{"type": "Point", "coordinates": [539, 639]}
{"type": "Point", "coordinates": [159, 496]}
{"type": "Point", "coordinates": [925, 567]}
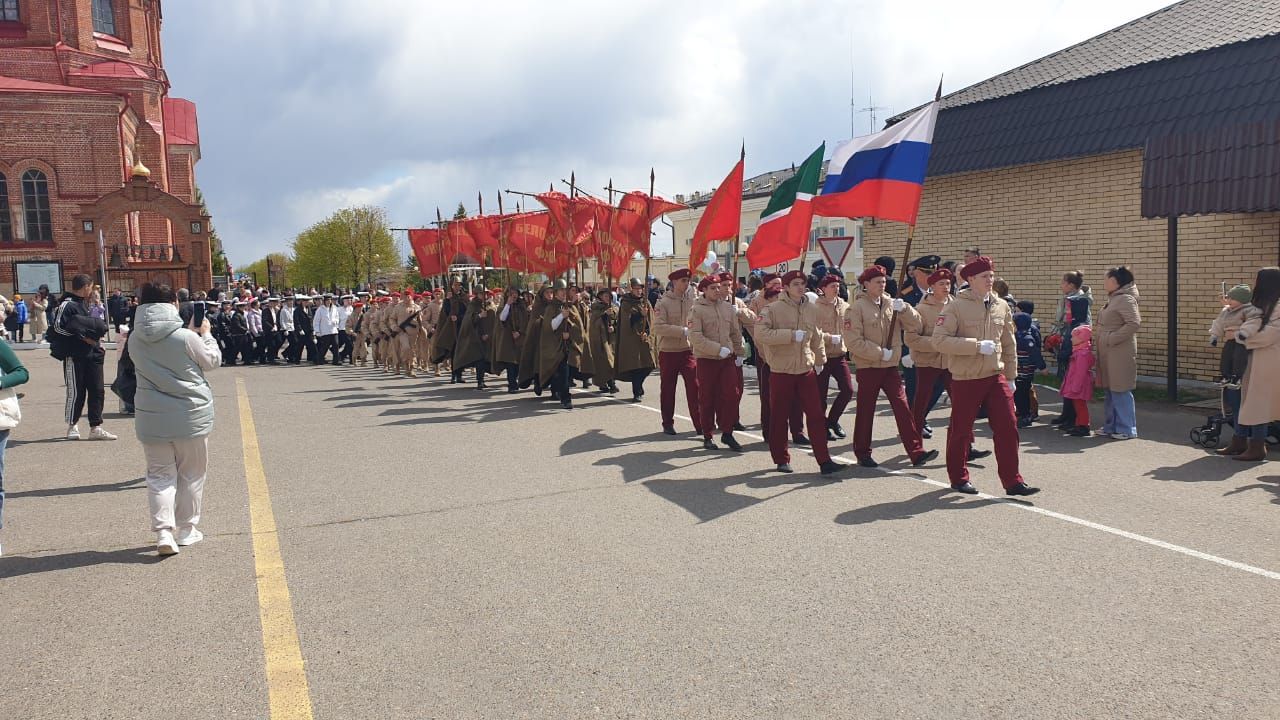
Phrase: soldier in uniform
{"type": "Point", "coordinates": [975, 333]}
{"type": "Point", "coordinates": [633, 359]}
{"type": "Point", "coordinates": [557, 353]}
{"type": "Point", "coordinates": [427, 330]}
{"type": "Point", "coordinates": [716, 337]}
{"type": "Point", "coordinates": [831, 309]}
{"type": "Point", "coordinates": [475, 338]}
{"type": "Point", "coordinates": [584, 370]}
{"type": "Point", "coordinates": [508, 337]}
{"type": "Point", "coordinates": [531, 351]}
{"type": "Point", "coordinates": [876, 353]}
{"type": "Point", "coordinates": [238, 334]}
{"type": "Point", "coordinates": [913, 293]}
{"type": "Point", "coordinates": [675, 355]}
{"type": "Point", "coordinates": [353, 329]}
{"type": "Point", "coordinates": [303, 327]}
{"type": "Point", "coordinates": [601, 337]}
{"type": "Point", "coordinates": [405, 329]}
{"type": "Point", "coordinates": [451, 312]}
{"type": "Point", "coordinates": [789, 326]}
{"type": "Point", "coordinates": [795, 420]}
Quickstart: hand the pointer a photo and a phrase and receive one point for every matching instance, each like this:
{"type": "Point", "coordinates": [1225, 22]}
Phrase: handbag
{"type": "Point", "coordinates": [10, 412]}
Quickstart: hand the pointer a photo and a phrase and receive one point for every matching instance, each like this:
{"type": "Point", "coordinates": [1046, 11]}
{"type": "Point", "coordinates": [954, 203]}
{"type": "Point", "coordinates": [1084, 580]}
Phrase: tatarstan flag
{"type": "Point", "coordinates": [783, 233]}
{"type": "Point", "coordinates": [723, 217]}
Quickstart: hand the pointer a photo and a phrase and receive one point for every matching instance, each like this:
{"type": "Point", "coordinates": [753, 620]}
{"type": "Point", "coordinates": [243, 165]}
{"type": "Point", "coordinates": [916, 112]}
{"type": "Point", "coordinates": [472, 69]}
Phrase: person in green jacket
{"type": "Point", "coordinates": [14, 374]}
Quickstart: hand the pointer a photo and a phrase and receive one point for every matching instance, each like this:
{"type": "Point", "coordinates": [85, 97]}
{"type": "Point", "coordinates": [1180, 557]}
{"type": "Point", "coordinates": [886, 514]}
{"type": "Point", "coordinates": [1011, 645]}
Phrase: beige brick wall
{"type": "Point", "coordinates": [1038, 221]}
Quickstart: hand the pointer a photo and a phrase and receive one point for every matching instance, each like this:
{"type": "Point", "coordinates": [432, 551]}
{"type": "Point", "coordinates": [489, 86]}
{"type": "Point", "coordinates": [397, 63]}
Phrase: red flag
{"type": "Point", "coordinates": [429, 251]}
{"type": "Point", "coordinates": [483, 230]}
{"type": "Point", "coordinates": [458, 243]}
{"type": "Point", "coordinates": [635, 216]}
{"type": "Point", "coordinates": [722, 218]}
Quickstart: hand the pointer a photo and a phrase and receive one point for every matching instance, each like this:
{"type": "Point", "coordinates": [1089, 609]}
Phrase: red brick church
{"type": "Point", "coordinates": [93, 145]}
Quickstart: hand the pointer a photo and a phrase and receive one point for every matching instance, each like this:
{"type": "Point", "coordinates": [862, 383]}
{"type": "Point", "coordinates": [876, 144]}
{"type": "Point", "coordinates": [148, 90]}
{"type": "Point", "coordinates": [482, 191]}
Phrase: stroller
{"type": "Point", "coordinates": [1209, 435]}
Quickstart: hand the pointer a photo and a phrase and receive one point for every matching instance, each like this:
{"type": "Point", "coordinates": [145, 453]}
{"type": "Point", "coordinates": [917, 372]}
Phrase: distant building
{"type": "Point", "coordinates": [1076, 161]}
{"type": "Point", "coordinates": [91, 140]}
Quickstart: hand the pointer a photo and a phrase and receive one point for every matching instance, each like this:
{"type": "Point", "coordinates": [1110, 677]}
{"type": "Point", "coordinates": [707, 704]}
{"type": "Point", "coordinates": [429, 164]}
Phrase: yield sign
{"type": "Point", "coordinates": [835, 249]}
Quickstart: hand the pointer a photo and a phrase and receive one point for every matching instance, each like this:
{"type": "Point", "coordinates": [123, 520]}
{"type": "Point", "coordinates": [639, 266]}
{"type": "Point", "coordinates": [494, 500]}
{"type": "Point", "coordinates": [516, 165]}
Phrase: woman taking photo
{"type": "Point", "coordinates": [174, 413]}
{"type": "Point", "coordinates": [1261, 404]}
{"type": "Point", "coordinates": [1115, 337]}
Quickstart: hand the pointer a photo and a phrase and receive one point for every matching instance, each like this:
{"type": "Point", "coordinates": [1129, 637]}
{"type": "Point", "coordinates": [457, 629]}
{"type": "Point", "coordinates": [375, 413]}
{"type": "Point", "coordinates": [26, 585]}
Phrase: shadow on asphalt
{"type": "Point", "coordinates": [1270, 484]}
{"type": "Point", "coordinates": [16, 565]}
{"type": "Point", "coordinates": [134, 484]}
{"type": "Point", "coordinates": [710, 499]}
{"type": "Point", "coordinates": [1210, 468]}
{"type": "Point", "coordinates": [942, 499]}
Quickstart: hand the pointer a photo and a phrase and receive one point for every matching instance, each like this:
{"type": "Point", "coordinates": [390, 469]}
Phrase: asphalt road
{"type": "Point", "coordinates": [457, 554]}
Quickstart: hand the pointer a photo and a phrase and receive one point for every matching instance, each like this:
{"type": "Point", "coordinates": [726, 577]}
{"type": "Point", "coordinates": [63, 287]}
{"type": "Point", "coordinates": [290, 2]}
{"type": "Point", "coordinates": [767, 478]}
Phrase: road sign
{"type": "Point", "coordinates": [835, 249]}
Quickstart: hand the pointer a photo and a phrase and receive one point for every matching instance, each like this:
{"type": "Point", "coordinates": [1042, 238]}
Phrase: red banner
{"type": "Point", "coordinates": [429, 250]}
{"type": "Point", "coordinates": [458, 243]}
{"type": "Point", "coordinates": [636, 213]}
{"type": "Point", "coordinates": [483, 231]}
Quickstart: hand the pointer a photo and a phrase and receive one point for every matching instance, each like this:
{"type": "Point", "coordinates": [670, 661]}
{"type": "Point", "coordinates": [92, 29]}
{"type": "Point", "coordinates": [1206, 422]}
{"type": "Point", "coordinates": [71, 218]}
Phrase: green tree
{"type": "Point", "coordinates": [460, 213]}
{"type": "Point", "coordinates": [280, 270]}
{"type": "Point", "coordinates": [352, 246]}
{"type": "Point", "coordinates": [219, 258]}
{"type": "Point", "coordinates": [413, 278]}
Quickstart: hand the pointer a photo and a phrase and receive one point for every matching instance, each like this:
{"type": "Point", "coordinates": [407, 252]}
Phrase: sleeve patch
{"type": "Point", "coordinates": [940, 321]}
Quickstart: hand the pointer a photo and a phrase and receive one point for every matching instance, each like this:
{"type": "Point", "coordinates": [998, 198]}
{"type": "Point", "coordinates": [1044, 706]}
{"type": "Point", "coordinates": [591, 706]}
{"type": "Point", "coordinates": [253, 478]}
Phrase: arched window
{"type": "Point", "coordinates": [8, 10]}
{"type": "Point", "coordinates": [6, 222]}
{"type": "Point", "coordinates": [35, 206]}
{"type": "Point", "coordinates": [104, 17]}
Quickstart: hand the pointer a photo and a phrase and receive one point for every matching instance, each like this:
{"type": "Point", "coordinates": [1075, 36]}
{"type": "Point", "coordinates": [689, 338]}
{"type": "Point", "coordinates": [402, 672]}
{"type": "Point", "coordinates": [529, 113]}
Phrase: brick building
{"type": "Point", "coordinates": [91, 143]}
{"type": "Point", "coordinates": [1076, 161]}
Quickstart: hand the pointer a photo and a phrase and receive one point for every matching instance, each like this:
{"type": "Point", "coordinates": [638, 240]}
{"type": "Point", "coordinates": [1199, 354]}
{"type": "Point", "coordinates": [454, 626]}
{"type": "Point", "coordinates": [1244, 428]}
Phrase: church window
{"type": "Point", "coordinates": [35, 205]}
{"type": "Point", "coordinates": [104, 17]}
{"type": "Point", "coordinates": [6, 222]}
{"type": "Point", "coordinates": [8, 10]}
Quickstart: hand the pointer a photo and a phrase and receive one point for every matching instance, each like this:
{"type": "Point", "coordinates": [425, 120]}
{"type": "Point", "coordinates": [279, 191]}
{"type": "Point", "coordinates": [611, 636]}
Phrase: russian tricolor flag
{"type": "Point", "coordinates": [880, 175]}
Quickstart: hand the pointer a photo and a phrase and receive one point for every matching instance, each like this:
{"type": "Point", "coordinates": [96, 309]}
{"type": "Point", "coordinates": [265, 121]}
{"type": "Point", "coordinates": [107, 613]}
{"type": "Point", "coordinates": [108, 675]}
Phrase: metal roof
{"type": "Point", "coordinates": [1183, 28]}
{"type": "Point", "coordinates": [1229, 85]}
{"type": "Point", "coordinates": [1232, 169]}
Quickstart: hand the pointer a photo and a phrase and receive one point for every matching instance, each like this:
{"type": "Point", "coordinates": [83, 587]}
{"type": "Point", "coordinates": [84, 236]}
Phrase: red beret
{"type": "Point", "coordinates": [726, 277]}
{"type": "Point", "coordinates": [941, 274]}
{"type": "Point", "coordinates": [681, 273]}
{"type": "Point", "coordinates": [828, 280]}
{"type": "Point", "coordinates": [706, 281]}
{"type": "Point", "coordinates": [792, 275]}
{"type": "Point", "coordinates": [771, 293]}
{"type": "Point", "coordinates": [770, 277]}
{"type": "Point", "coordinates": [981, 265]}
{"type": "Point", "coordinates": [872, 273]}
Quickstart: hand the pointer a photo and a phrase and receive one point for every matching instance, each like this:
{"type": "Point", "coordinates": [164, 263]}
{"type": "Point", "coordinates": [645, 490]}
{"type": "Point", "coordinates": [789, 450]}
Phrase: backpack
{"type": "Point", "coordinates": [61, 343]}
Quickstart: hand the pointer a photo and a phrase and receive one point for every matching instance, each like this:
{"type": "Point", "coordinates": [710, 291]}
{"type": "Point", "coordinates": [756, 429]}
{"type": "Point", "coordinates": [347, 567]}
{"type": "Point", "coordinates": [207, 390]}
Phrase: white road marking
{"type": "Point", "coordinates": [1262, 572]}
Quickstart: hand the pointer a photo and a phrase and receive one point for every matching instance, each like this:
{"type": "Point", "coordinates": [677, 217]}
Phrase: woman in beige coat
{"type": "Point", "coordinates": [1115, 337]}
{"type": "Point", "coordinates": [1261, 404]}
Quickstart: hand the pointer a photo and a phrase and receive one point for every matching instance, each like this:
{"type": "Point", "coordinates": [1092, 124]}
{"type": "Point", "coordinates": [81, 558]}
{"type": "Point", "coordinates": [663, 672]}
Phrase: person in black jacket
{"type": "Point", "coordinates": [238, 335]}
{"type": "Point", "coordinates": [270, 331]}
{"type": "Point", "coordinates": [79, 342]}
{"type": "Point", "coordinates": [306, 332]}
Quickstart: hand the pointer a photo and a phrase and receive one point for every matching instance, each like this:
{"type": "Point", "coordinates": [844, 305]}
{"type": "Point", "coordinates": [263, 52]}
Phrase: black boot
{"type": "Point", "coordinates": [801, 440]}
{"type": "Point", "coordinates": [730, 442]}
{"type": "Point", "coordinates": [708, 444]}
{"type": "Point", "coordinates": [836, 430]}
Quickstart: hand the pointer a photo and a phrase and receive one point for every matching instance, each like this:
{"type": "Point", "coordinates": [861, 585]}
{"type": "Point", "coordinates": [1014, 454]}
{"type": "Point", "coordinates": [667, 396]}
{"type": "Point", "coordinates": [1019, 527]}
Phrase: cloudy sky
{"type": "Point", "coordinates": [307, 106]}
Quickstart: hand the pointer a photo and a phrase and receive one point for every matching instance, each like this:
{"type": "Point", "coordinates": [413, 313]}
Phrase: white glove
{"type": "Point", "coordinates": [725, 352]}
{"type": "Point", "coordinates": [835, 339]}
{"type": "Point", "coordinates": [898, 305]}
{"type": "Point", "coordinates": [886, 354]}
{"type": "Point", "coordinates": [800, 335]}
{"type": "Point", "coordinates": [987, 347]}
{"type": "Point", "coordinates": [908, 361]}
{"type": "Point", "coordinates": [1013, 386]}
{"type": "Point", "coordinates": [818, 368]}
{"type": "Point", "coordinates": [739, 361]}
{"type": "Point", "coordinates": [685, 330]}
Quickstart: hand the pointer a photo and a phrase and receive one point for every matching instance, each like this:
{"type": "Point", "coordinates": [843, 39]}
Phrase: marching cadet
{"type": "Point", "coordinates": [601, 336]}
{"type": "Point", "coordinates": [789, 327]}
{"type": "Point", "coordinates": [345, 343]}
{"type": "Point", "coordinates": [772, 289]}
{"type": "Point", "coordinates": [675, 355]}
{"type": "Point", "coordinates": [508, 337]}
{"type": "Point", "coordinates": [427, 330]}
{"type": "Point", "coordinates": [238, 334]}
{"type": "Point", "coordinates": [556, 352]}
{"type": "Point", "coordinates": [975, 333]}
{"type": "Point", "coordinates": [633, 359]}
{"type": "Point", "coordinates": [354, 330]}
{"type": "Point", "coordinates": [475, 338]}
{"type": "Point", "coordinates": [746, 320]}
{"type": "Point", "coordinates": [716, 338]}
{"type": "Point", "coordinates": [303, 327]}
{"type": "Point", "coordinates": [288, 337]}
{"type": "Point", "coordinates": [530, 372]}
{"type": "Point", "coordinates": [876, 353]}
{"type": "Point", "coordinates": [387, 326]}
{"type": "Point", "coordinates": [326, 325]}
{"type": "Point", "coordinates": [451, 312]}
{"type": "Point", "coordinates": [831, 310]}
{"type": "Point", "coordinates": [406, 329]}
{"type": "Point", "coordinates": [913, 292]}
{"type": "Point", "coordinates": [580, 300]}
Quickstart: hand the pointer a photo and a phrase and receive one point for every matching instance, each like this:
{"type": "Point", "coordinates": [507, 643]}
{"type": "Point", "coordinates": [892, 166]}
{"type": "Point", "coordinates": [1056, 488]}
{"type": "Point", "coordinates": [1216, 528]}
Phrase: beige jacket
{"type": "Point", "coordinates": [921, 340]}
{"type": "Point", "coordinates": [713, 325]}
{"type": "Point", "coordinates": [1115, 340]}
{"type": "Point", "coordinates": [778, 322]}
{"type": "Point", "coordinates": [431, 316]}
{"type": "Point", "coordinates": [670, 321]}
{"type": "Point", "coordinates": [866, 324]}
{"type": "Point", "coordinates": [966, 321]}
{"type": "Point", "coordinates": [831, 321]}
{"type": "Point", "coordinates": [1261, 403]}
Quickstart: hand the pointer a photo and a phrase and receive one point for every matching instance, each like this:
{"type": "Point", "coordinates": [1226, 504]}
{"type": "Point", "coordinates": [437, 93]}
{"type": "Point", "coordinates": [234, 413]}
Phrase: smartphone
{"type": "Point", "coordinates": [197, 315]}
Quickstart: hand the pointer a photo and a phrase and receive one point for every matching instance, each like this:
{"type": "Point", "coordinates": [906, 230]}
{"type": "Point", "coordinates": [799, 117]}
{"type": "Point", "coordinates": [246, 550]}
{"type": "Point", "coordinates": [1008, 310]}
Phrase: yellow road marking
{"type": "Point", "coordinates": [288, 695]}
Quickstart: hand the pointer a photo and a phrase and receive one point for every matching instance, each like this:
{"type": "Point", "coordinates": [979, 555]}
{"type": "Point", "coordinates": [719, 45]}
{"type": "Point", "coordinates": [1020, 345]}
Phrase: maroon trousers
{"type": "Point", "coordinates": [967, 396]}
{"type": "Point", "coordinates": [926, 379]}
{"type": "Point", "coordinates": [837, 368]}
{"type": "Point", "coordinates": [795, 415]}
{"type": "Point", "coordinates": [787, 393]}
{"type": "Point", "coordinates": [717, 394]}
{"type": "Point", "coordinates": [673, 366]}
{"type": "Point", "coordinates": [870, 382]}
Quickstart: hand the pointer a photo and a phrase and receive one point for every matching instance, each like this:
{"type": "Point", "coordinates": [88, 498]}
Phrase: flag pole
{"type": "Point", "coordinates": [737, 247]}
{"type": "Point", "coordinates": [648, 246]}
{"type": "Point", "coordinates": [902, 278]}
{"type": "Point", "coordinates": [443, 265]}
{"type": "Point", "coordinates": [607, 250]}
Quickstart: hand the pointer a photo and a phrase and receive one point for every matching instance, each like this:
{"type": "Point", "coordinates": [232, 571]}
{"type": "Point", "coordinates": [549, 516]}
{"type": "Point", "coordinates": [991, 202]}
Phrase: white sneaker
{"type": "Point", "coordinates": [165, 544]}
{"type": "Point", "coordinates": [100, 433]}
{"type": "Point", "coordinates": [1122, 436]}
{"type": "Point", "coordinates": [73, 432]}
{"type": "Point", "coordinates": [189, 536]}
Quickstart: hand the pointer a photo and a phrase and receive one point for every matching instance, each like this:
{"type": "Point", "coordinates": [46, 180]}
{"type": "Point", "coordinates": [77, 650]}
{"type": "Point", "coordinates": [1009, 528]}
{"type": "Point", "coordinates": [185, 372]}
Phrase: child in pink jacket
{"type": "Point", "coordinates": [1077, 387]}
